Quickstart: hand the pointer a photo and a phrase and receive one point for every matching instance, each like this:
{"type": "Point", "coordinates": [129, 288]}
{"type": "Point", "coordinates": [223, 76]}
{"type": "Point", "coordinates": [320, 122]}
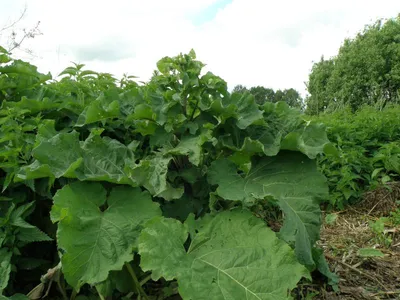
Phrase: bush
{"type": "Point", "coordinates": [110, 181]}
{"type": "Point", "coordinates": [368, 144]}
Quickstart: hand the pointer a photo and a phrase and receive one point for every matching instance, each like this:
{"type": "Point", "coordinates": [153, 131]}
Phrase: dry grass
{"type": "Point", "coordinates": [381, 201]}
{"type": "Point", "coordinates": [363, 278]}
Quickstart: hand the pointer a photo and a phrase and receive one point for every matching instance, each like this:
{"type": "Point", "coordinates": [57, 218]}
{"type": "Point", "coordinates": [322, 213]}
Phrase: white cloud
{"type": "Point", "coordinates": [251, 42]}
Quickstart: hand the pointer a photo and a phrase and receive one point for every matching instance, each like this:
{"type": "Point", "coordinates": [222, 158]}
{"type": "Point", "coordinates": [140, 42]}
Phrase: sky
{"type": "Point", "coordinates": [248, 42]}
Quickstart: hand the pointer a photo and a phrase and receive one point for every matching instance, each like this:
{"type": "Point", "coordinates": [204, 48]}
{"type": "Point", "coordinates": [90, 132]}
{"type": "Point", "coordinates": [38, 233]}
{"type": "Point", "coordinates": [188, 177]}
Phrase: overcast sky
{"type": "Point", "coordinates": [249, 42]}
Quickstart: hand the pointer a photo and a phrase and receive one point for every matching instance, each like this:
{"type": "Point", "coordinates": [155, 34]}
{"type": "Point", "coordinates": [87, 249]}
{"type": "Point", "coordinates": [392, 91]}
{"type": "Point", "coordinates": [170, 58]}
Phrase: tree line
{"type": "Point", "coordinates": [262, 94]}
{"type": "Point", "coordinates": [366, 71]}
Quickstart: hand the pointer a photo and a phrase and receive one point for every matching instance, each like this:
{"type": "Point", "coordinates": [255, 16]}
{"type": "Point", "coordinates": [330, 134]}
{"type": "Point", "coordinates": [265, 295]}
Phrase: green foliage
{"type": "Point", "coordinates": [330, 219]}
{"type": "Point", "coordinates": [15, 233]}
{"type": "Point", "coordinates": [365, 71]}
{"type": "Point", "coordinates": [370, 252]}
{"type": "Point", "coordinates": [224, 260]}
{"type": "Point", "coordinates": [110, 169]}
{"type": "Point", "coordinates": [14, 297]}
{"type": "Point", "coordinates": [368, 152]}
{"type": "Point", "coordinates": [96, 242]}
{"type": "Point", "coordinates": [290, 96]}
{"type": "Point", "coordinates": [320, 96]}
{"type": "Point", "coordinates": [379, 226]}
{"type": "Point", "coordinates": [290, 184]}
{"type": "Point", "coordinates": [263, 95]}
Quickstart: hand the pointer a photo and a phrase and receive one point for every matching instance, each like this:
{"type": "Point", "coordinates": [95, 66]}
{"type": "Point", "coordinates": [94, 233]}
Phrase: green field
{"type": "Point", "coordinates": [178, 188]}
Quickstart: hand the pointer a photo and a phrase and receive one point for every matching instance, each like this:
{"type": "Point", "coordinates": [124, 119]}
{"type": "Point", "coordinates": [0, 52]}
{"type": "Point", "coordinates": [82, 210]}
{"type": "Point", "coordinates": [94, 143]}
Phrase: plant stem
{"type": "Point", "coordinates": [98, 292]}
{"type": "Point", "coordinates": [144, 280]}
{"type": "Point", "coordinates": [73, 295]}
{"type": "Point", "coordinates": [184, 107]}
{"type": "Point", "coordinates": [194, 109]}
{"type": "Point", "coordinates": [136, 282]}
{"type": "Point", "coordinates": [62, 290]}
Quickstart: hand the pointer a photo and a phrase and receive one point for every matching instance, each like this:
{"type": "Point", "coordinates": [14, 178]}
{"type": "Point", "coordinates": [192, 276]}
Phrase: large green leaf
{"type": "Point", "coordinates": [192, 147]}
{"type": "Point", "coordinates": [95, 241]}
{"type": "Point", "coordinates": [62, 155]}
{"type": "Point", "coordinates": [104, 159]}
{"type": "Point", "coordinates": [293, 180]}
{"type": "Point", "coordinates": [241, 107]}
{"type": "Point", "coordinates": [23, 68]}
{"type": "Point", "coordinates": [220, 109]}
{"type": "Point", "coordinates": [5, 268]}
{"type": "Point", "coordinates": [323, 268]}
{"type": "Point", "coordinates": [233, 256]}
{"type": "Point", "coordinates": [100, 109]}
{"type": "Point", "coordinates": [152, 174]}
{"type": "Point", "coordinates": [58, 156]}
{"type": "Point", "coordinates": [31, 106]}
{"type": "Point", "coordinates": [283, 129]}
{"type": "Point", "coordinates": [311, 139]}
{"type": "Point", "coordinates": [247, 110]}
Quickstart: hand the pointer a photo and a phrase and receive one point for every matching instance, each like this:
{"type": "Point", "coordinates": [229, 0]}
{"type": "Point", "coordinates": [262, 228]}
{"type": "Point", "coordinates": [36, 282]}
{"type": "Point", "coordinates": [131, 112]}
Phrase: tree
{"type": "Point", "coordinates": [365, 71]}
{"type": "Point", "coordinates": [290, 96]}
{"type": "Point", "coordinates": [320, 95]}
{"type": "Point", "coordinates": [12, 38]}
{"type": "Point", "coordinates": [239, 89]}
{"type": "Point", "coordinates": [263, 94]}
{"type": "Point", "coordinates": [293, 98]}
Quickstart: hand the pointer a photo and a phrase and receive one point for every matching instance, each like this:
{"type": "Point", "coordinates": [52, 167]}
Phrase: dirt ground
{"type": "Point", "coordinates": [363, 277]}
